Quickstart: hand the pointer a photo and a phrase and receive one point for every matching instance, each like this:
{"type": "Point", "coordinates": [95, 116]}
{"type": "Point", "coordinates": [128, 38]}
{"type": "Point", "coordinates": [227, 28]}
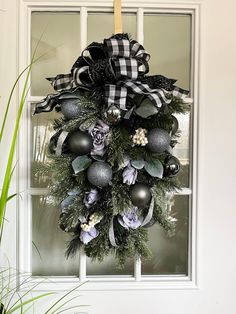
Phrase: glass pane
{"type": "Point", "coordinates": [170, 49]}
{"type": "Point", "coordinates": [60, 46]}
{"type": "Point", "coordinates": [170, 255]}
{"type": "Point", "coordinates": [41, 132]}
{"type": "Point", "coordinates": [106, 25]}
{"type": "Point", "coordinates": [49, 242]}
{"type": "Point", "coordinates": [109, 267]}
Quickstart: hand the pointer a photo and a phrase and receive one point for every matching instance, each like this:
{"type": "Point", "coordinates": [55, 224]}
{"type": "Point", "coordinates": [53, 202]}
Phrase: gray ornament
{"type": "Point", "coordinates": [140, 195]}
{"type": "Point", "coordinates": [70, 108]}
{"type": "Point", "coordinates": [113, 114]}
{"type": "Point", "coordinates": [99, 174]}
{"type": "Point", "coordinates": [158, 140]}
{"type": "Point", "coordinates": [80, 143]}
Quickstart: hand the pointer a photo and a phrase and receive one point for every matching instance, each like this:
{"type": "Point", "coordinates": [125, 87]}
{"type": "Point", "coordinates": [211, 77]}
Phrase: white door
{"type": "Point", "coordinates": [192, 41]}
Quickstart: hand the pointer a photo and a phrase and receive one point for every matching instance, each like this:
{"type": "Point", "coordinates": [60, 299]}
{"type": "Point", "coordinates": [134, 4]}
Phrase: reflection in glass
{"type": "Point", "coordinates": [41, 132]}
{"type": "Point", "coordinates": [109, 267]}
{"type": "Point", "coordinates": [170, 255]}
{"type": "Point", "coordinates": [106, 25]}
{"type": "Point", "coordinates": [170, 49]}
{"type": "Point", "coordinates": [59, 46]}
{"type": "Point", "coordinates": [49, 242]}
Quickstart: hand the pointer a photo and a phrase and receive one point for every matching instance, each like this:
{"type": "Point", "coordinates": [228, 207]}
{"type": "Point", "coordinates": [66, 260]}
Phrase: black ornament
{"type": "Point", "coordinates": [99, 174]}
{"type": "Point", "coordinates": [70, 108]}
{"type": "Point", "coordinates": [158, 140]}
{"type": "Point", "coordinates": [175, 125]}
{"type": "Point", "coordinates": [80, 143]}
{"type": "Point", "coordinates": [140, 195]}
{"type": "Point", "coordinates": [171, 166]}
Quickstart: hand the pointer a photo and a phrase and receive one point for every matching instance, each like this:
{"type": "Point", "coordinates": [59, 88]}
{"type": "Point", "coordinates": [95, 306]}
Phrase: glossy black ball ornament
{"type": "Point", "coordinates": [70, 108]}
{"type": "Point", "coordinates": [158, 140]}
{"type": "Point", "coordinates": [80, 143]}
{"type": "Point", "coordinates": [171, 166]}
{"type": "Point", "coordinates": [99, 174]}
{"type": "Point", "coordinates": [140, 195]}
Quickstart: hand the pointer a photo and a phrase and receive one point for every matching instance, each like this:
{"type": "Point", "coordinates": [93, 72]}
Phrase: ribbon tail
{"type": "Point", "coordinates": [112, 234]}
{"type": "Point", "coordinates": [148, 218]}
{"type": "Point", "coordinates": [60, 141]}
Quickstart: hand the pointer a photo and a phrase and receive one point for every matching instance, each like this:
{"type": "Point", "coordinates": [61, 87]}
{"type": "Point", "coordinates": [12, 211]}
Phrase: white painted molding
{"type": "Point", "coordinates": [24, 218]}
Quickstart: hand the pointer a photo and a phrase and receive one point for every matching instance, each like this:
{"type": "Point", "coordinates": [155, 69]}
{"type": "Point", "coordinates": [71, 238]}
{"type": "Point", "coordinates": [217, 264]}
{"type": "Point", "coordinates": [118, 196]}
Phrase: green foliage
{"type": "Point", "coordinates": [69, 172]}
{"type": "Point", "coordinates": [17, 297]}
{"type": "Point", "coordinates": [119, 142]}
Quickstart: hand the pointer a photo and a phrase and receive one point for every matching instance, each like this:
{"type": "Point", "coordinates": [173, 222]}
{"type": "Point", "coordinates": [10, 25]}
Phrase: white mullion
{"type": "Point", "coordinates": [83, 44]}
{"type": "Point", "coordinates": [83, 27]}
{"type": "Point", "coordinates": [82, 265]}
{"type": "Point", "coordinates": [137, 268]}
{"type": "Point", "coordinates": [140, 30]}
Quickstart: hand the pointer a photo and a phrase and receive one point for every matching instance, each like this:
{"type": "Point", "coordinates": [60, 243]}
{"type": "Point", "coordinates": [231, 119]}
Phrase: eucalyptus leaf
{"type": "Point", "coordinates": [81, 163]}
{"type": "Point", "coordinates": [146, 109]}
{"type": "Point", "coordinates": [138, 164]}
{"type": "Point", "coordinates": [155, 168]}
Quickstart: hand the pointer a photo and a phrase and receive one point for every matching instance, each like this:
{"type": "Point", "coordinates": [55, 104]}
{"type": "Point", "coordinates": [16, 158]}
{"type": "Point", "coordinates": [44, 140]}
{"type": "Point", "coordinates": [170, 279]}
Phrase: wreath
{"type": "Point", "coordinates": [111, 162]}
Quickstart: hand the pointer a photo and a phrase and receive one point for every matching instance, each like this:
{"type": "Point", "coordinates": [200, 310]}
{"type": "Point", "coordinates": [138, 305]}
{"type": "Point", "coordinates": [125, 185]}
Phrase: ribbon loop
{"type": "Point", "coordinates": [116, 69]}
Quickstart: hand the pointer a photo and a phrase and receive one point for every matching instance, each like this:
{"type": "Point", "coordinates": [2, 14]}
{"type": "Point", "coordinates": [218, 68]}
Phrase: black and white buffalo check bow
{"type": "Point", "coordinates": [118, 66]}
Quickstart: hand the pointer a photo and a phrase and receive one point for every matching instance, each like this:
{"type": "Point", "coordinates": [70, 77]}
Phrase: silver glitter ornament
{"type": "Point", "coordinates": [113, 114]}
{"type": "Point", "coordinates": [140, 195]}
{"type": "Point", "coordinates": [70, 108]}
{"type": "Point", "coordinates": [80, 143]}
{"type": "Point", "coordinates": [99, 174]}
{"type": "Point", "coordinates": [158, 140]}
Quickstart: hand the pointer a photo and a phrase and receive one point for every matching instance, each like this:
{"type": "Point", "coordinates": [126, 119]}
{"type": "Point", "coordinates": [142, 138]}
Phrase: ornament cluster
{"type": "Point", "coordinates": [111, 156]}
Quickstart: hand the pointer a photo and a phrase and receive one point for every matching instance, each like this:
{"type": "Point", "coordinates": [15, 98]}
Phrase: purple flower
{"type": "Point", "coordinates": [130, 219]}
{"type": "Point", "coordinates": [129, 175]}
{"type": "Point", "coordinates": [87, 236]}
{"type": "Point", "coordinates": [91, 198]}
{"type": "Point", "coordinates": [99, 134]}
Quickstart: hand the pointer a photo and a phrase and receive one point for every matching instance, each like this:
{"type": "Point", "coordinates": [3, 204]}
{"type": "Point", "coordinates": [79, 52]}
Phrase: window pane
{"type": "Point", "coordinates": [60, 44]}
{"type": "Point", "coordinates": [41, 132]}
{"type": "Point", "coordinates": [170, 49]}
{"type": "Point", "coordinates": [106, 25]}
{"type": "Point", "coordinates": [109, 267]}
{"type": "Point", "coordinates": [170, 255]}
{"type": "Point", "coordinates": [49, 242]}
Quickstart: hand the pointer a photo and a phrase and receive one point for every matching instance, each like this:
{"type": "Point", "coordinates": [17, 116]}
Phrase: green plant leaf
{"type": "Point", "coordinates": [81, 163]}
{"type": "Point", "coordinates": [31, 300]}
{"type": "Point", "coordinates": [154, 168]}
{"type": "Point", "coordinates": [146, 109]}
{"type": "Point", "coordinates": [138, 164]}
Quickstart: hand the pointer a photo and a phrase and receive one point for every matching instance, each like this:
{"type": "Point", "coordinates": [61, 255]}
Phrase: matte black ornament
{"type": "Point", "coordinates": [175, 125]}
{"type": "Point", "coordinates": [70, 108]}
{"type": "Point", "coordinates": [99, 174]}
{"type": "Point", "coordinates": [171, 166]}
{"type": "Point", "coordinates": [158, 140]}
{"type": "Point", "coordinates": [140, 195]}
{"type": "Point", "coordinates": [80, 143]}
{"type": "Point", "coordinates": [113, 114]}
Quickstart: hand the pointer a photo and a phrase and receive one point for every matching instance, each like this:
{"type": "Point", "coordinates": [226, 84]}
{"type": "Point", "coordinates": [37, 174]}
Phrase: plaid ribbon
{"type": "Point", "coordinates": [118, 66]}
